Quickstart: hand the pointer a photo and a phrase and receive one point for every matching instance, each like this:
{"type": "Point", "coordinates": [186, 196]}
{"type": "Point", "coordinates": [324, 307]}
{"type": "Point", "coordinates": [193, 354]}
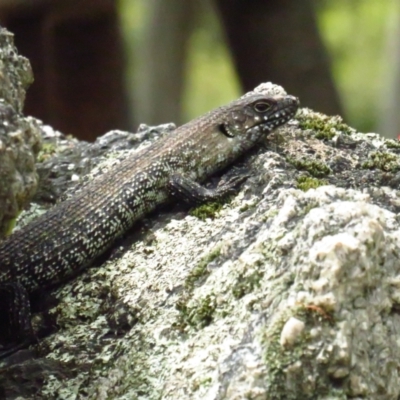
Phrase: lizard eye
{"type": "Point", "coordinates": [262, 106]}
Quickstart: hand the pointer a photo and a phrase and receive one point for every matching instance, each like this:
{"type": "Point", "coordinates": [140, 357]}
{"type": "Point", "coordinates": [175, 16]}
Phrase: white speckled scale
{"type": "Point", "coordinates": [73, 233]}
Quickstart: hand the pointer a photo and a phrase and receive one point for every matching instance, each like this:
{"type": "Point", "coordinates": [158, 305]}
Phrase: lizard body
{"type": "Point", "coordinates": [72, 234]}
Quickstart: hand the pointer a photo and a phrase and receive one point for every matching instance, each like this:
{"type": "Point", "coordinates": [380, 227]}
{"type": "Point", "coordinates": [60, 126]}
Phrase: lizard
{"type": "Point", "coordinates": [69, 237]}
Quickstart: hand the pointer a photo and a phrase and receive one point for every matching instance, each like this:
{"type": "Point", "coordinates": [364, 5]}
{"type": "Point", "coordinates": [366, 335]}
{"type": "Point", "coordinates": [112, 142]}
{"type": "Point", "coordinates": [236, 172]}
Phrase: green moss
{"type": "Point", "coordinates": [47, 151]}
{"type": "Point", "coordinates": [209, 210]}
{"type": "Point", "coordinates": [305, 183]}
{"type": "Point", "coordinates": [278, 358]}
{"type": "Point", "coordinates": [392, 144]}
{"type": "Point", "coordinates": [245, 284]}
{"type": "Point", "coordinates": [386, 162]}
{"type": "Point", "coordinates": [314, 168]}
{"type": "Point", "coordinates": [198, 315]}
{"type": "Point", "coordinates": [323, 126]}
{"type": "Point", "coordinates": [200, 270]}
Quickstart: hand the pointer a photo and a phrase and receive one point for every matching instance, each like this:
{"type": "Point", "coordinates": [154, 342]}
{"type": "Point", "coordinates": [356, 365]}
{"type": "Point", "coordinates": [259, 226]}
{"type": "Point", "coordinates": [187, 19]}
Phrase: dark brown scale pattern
{"type": "Point", "coordinates": [69, 236]}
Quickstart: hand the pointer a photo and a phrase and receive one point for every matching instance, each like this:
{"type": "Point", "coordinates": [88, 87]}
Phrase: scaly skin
{"type": "Point", "coordinates": [71, 235]}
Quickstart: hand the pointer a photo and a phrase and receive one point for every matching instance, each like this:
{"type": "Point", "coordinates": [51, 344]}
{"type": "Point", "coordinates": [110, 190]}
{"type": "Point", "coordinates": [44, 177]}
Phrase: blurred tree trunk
{"type": "Point", "coordinates": [388, 106]}
{"type": "Point", "coordinates": [77, 58]}
{"type": "Point", "coordinates": [278, 41]}
{"type": "Point", "coordinates": [162, 61]}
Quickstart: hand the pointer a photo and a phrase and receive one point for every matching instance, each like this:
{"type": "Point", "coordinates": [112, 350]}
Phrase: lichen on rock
{"type": "Point", "coordinates": [20, 136]}
{"type": "Point", "coordinates": [282, 294]}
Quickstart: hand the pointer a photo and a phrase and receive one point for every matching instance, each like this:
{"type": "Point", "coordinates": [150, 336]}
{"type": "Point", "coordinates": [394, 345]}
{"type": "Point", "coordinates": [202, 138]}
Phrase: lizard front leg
{"type": "Point", "coordinates": [193, 193]}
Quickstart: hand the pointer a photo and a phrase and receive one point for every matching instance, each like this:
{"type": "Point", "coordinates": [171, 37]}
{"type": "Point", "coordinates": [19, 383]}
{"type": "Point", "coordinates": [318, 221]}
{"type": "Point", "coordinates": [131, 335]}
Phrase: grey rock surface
{"type": "Point", "coordinates": [19, 136]}
{"type": "Point", "coordinates": [288, 290]}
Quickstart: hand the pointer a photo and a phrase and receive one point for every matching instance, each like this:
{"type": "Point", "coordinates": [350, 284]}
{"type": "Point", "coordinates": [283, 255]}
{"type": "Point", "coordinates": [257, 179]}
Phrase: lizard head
{"type": "Point", "coordinates": [256, 115]}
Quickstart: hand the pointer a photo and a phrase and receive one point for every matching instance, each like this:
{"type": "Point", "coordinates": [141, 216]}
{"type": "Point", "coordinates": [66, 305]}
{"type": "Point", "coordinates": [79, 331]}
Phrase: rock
{"type": "Point", "coordinates": [19, 136]}
{"type": "Point", "coordinates": [291, 332]}
{"type": "Point", "coordinates": [197, 308]}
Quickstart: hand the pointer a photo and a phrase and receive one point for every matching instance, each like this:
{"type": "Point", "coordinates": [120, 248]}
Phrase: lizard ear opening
{"type": "Point", "coordinates": [226, 131]}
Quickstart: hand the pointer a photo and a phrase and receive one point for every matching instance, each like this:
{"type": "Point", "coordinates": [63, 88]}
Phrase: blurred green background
{"type": "Point", "coordinates": [362, 37]}
{"type": "Point", "coordinates": [356, 33]}
{"type": "Point", "coordinates": [107, 64]}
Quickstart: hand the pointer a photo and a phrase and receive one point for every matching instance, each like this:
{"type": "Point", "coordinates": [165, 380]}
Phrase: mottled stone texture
{"type": "Point", "coordinates": [19, 136]}
{"type": "Point", "coordinates": [290, 291]}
